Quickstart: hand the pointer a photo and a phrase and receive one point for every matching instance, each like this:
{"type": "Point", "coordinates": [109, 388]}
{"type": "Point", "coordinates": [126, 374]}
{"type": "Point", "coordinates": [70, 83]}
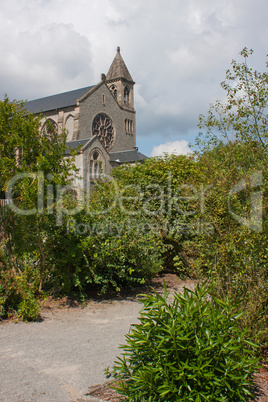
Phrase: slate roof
{"type": "Point", "coordinates": [118, 69]}
{"type": "Point", "coordinates": [127, 156]}
{"type": "Point", "coordinates": [57, 101]}
{"type": "Point", "coordinates": [75, 144]}
{"type": "Point", "coordinates": [119, 157]}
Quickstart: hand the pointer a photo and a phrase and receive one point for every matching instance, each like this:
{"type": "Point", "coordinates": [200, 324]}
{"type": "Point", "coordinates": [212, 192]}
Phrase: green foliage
{"type": "Point", "coordinates": [28, 309]}
{"type": "Point", "coordinates": [10, 294]}
{"type": "Point", "coordinates": [17, 296]}
{"type": "Point", "coordinates": [233, 148]}
{"type": "Point", "coordinates": [114, 260]}
{"type": "Point", "coordinates": [162, 189]}
{"type": "Point", "coordinates": [102, 252]}
{"type": "Point", "coordinates": [188, 350]}
{"type": "Point", "coordinates": [35, 161]}
{"type": "Point", "coordinates": [243, 116]}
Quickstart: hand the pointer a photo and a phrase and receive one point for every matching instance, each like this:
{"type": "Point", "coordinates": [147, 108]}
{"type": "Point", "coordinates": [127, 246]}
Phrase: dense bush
{"type": "Point", "coordinates": [187, 350]}
{"type": "Point", "coordinates": [17, 296]}
{"type": "Point", "coordinates": [10, 294]}
{"type": "Point", "coordinates": [168, 191]}
{"type": "Point", "coordinates": [233, 159]}
{"type": "Point", "coordinates": [104, 253]}
{"type": "Point", "coordinates": [113, 260]}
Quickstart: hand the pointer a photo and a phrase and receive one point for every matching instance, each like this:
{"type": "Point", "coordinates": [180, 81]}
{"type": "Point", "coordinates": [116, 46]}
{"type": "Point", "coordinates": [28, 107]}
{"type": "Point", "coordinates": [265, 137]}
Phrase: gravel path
{"type": "Point", "coordinates": [59, 358]}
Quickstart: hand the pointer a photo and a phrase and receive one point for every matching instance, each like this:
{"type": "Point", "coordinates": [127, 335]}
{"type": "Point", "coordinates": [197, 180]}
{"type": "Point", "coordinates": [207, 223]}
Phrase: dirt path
{"type": "Point", "coordinates": [59, 358]}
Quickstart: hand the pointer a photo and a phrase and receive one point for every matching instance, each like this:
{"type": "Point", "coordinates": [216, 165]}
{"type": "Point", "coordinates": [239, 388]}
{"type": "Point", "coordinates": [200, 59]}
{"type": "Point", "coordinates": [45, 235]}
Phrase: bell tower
{"type": "Point", "coordinates": [121, 83]}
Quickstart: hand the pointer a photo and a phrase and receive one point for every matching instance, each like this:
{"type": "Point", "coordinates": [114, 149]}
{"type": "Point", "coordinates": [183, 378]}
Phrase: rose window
{"type": "Point", "coordinates": [103, 127]}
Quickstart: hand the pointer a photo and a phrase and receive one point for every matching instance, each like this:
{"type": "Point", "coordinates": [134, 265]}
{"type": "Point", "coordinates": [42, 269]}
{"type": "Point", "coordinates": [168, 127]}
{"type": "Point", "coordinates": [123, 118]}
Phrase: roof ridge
{"type": "Point", "coordinates": [61, 93]}
{"type": "Point", "coordinates": [56, 101]}
{"type": "Point", "coordinates": [126, 150]}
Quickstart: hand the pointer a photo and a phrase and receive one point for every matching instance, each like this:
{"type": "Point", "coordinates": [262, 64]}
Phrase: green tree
{"type": "Point", "coordinates": [32, 160]}
{"type": "Point", "coordinates": [244, 114]}
{"type": "Point", "coordinates": [233, 153]}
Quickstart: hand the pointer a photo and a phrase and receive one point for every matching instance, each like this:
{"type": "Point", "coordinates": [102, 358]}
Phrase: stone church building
{"type": "Point", "coordinates": [99, 119]}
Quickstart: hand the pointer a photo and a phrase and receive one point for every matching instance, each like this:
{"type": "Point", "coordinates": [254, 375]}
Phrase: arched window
{"type": "Point", "coordinates": [49, 129]}
{"type": "Point", "coordinates": [126, 95]}
{"type": "Point", "coordinates": [96, 170]}
{"type": "Point", "coordinates": [114, 91]}
{"type": "Point", "coordinates": [69, 126]}
{"type": "Point", "coordinates": [96, 164]}
{"type": "Point", "coordinates": [129, 126]}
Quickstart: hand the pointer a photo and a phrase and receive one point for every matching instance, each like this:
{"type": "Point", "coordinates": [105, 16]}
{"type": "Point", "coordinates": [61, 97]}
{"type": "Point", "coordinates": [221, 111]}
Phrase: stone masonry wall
{"type": "Point", "coordinates": [102, 101]}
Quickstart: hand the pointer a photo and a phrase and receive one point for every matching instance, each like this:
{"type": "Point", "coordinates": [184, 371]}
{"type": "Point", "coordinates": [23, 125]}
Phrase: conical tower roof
{"type": "Point", "coordinates": [118, 69]}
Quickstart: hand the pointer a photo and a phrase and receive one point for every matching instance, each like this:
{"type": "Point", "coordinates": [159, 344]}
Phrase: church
{"type": "Point", "coordinates": [100, 120]}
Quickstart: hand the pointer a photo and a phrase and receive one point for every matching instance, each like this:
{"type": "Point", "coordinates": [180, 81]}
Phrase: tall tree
{"type": "Point", "coordinates": [30, 161]}
{"type": "Point", "coordinates": [244, 114]}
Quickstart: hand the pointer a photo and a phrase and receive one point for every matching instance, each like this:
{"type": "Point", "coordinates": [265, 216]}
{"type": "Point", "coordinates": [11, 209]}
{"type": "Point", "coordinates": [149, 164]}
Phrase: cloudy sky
{"type": "Point", "coordinates": [177, 52]}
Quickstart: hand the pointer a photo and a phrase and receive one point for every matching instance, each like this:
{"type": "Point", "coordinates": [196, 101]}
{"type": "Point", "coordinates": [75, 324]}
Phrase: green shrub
{"type": "Point", "coordinates": [104, 253]}
{"type": "Point", "coordinates": [28, 309]}
{"type": "Point", "coordinates": [17, 296]}
{"type": "Point", "coordinates": [113, 261]}
{"type": "Point", "coordinates": [10, 294]}
{"type": "Point", "coordinates": [187, 350]}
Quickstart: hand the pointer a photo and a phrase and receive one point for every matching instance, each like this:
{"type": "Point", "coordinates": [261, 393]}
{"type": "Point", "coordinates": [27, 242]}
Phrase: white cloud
{"type": "Point", "coordinates": [176, 147]}
{"type": "Point", "coordinates": [57, 61]}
